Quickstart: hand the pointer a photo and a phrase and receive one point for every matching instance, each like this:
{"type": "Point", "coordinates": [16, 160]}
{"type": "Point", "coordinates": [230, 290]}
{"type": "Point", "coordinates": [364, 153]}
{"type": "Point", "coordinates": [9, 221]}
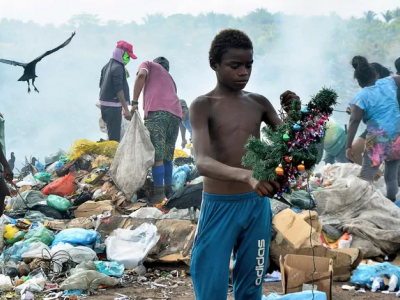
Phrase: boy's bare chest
{"type": "Point", "coordinates": [235, 118]}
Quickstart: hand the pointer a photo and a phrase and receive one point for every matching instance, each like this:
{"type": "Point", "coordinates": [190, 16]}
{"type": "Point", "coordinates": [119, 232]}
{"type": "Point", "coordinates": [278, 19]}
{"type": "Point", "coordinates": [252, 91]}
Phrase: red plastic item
{"type": "Point", "coordinates": [61, 187]}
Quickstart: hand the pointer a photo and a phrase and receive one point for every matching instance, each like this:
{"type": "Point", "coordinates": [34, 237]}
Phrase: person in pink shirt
{"type": "Point", "coordinates": [162, 117]}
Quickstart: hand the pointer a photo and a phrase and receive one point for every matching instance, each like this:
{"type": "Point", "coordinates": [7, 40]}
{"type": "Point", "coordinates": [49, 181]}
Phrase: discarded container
{"type": "Point", "coordinates": [346, 242]}
{"type": "Point", "coordinates": [377, 284]}
{"type": "Point", "coordinates": [59, 203]}
{"type": "Point", "coordinates": [393, 283]}
{"type": "Point", "coordinates": [130, 247]}
{"type": "Point", "coordinates": [110, 268]}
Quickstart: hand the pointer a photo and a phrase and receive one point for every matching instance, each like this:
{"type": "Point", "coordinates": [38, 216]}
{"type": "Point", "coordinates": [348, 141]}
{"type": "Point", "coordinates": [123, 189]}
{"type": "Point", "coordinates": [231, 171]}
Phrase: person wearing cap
{"type": "Point", "coordinates": [162, 117]}
{"type": "Point", "coordinates": [114, 90]}
{"type": "Point", "coordinates": [185, 124]}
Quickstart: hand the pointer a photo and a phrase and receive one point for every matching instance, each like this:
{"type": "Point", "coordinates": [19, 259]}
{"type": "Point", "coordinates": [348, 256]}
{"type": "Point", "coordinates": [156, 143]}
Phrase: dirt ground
{"type": "Point", "coordinates": [185, 292]}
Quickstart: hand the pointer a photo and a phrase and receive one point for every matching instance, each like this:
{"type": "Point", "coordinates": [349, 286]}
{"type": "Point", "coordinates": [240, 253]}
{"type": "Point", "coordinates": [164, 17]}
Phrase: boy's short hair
{"type": "Point", "coordinates": [227, 39]}
{"type": "Point", "coordinates": [397, 65]}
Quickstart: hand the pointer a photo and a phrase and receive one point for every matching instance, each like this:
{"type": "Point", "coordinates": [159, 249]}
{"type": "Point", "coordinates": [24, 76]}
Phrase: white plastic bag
{"type": "Point", "coordinates": [30, 180]}
{"type": "Point", "coordinates": [147, 213]}
{"type": "Point", "coordinates": [78, 254]}
{"type": "Point", "coordinates": [34, 285]}
{"type": "Point", "coordinates": [5, 283]}
{"type": "Point", "coordinates": [130, 247]}
{"type": "Point", "coordinates": [37, 250]}
{"type": "Point", "coordinates": [134, 156]}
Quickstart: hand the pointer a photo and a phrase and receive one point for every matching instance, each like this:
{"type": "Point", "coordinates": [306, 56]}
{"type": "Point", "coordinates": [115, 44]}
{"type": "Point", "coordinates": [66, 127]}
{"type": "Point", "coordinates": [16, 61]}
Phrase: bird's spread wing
{"type": "Point", "coordinates": [11, 62]}
{"type": "Point", "coordinates": [55, 49]}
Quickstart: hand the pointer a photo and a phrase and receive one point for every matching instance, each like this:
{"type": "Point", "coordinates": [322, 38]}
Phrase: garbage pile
{"type": "Point", "coordinates": [69, 230]}
{"type": "Point", "coordinates": [338, 216]}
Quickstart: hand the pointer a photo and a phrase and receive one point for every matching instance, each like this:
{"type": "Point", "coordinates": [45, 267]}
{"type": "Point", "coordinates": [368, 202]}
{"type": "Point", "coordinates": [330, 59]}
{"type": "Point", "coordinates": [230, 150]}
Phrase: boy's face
{"type": "Point", "coordinates": [235, 68]}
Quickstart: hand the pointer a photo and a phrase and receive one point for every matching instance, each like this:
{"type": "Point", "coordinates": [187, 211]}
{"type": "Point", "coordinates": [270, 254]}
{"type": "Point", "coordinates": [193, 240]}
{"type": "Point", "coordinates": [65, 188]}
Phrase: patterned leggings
{"type": "Point", "coordinates": [164, 129]}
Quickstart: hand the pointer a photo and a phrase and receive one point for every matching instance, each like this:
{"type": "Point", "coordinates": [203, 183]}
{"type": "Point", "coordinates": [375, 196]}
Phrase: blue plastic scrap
{"type": "Point", "coordinates": [305, 295]}
{"type": "Point", "coordinates": [364, 273]}
{"type": "Point", "coordinates": [72, 293]}
{"type": "Point", "coordinates": [110, 268]}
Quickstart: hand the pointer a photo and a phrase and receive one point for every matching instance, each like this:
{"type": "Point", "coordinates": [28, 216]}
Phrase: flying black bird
{"type": "Point", "coordinates": [29, 68]}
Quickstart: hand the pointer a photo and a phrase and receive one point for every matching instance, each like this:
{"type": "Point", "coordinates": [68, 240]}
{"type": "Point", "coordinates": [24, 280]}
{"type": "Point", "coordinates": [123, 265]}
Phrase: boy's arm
{"type": "Point", "coordinates": [210, 167]}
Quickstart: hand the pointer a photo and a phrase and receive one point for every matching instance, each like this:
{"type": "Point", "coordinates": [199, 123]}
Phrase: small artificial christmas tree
{"type": "Point", "coordinates": [291, 150]}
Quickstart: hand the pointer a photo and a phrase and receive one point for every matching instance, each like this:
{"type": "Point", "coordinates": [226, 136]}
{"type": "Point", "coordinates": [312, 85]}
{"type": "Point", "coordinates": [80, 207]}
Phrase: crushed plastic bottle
{"type": "Point", "coordinates": [393, 283]}
{"type": "Point", "coordinates": [377, 284]}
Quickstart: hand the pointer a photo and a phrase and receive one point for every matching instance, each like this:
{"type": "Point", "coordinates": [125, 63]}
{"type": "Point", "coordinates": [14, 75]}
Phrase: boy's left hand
{"type": "Point", "coordinates": [287, 99]}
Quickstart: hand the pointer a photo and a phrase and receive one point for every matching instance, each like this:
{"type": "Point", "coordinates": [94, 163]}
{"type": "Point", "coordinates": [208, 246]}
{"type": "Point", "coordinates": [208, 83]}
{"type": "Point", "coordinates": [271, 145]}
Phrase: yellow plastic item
{"type": "Point", "coordinates": [188, 146]}
{"type": "Point", "coordinates": [79, 147]}
{"type": "Point", "coordinates": [180, 153]}
{"type": "Point", "coordinates": [10, 231]}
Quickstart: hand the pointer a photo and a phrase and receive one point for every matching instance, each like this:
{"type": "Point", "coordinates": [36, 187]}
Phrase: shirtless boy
{"type": "Point", "coordinates": [236, 213]}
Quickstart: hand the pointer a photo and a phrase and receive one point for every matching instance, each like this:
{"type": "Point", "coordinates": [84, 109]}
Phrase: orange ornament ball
{"type": "Point", "coordinates": [301, 167]}
{"type": "Point", "coordinates": [279, 171]}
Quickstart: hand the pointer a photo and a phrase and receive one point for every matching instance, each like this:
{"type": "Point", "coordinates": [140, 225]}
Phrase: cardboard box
{"type": "Point", "coordinates": [344, 260]}
{"type": "Point", "coordinates": [91, 208]}
{"type": "Point", "coordinates": [297, 269]}
{"type": "Point", "coordinates": [294, 229]}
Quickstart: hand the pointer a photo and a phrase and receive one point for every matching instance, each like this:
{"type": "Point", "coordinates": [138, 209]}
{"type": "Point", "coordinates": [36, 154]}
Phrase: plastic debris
{"type": "Point", "coordinates": [110, 268]}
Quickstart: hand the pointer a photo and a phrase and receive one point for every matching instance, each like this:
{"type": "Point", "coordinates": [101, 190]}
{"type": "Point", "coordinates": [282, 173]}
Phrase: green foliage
{"type": "Point", "coordinates": [324, 101]}
{"type": "Point", "coordinates": [264, 156]}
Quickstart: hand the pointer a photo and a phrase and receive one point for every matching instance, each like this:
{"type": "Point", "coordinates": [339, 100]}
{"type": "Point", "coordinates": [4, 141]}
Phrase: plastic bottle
{"type": "Point", "coordinates": [393, 283]}
{"type": "Point", "coordinates": [345, 243]}
{"type": "Point", "coordinates": [377, 284]}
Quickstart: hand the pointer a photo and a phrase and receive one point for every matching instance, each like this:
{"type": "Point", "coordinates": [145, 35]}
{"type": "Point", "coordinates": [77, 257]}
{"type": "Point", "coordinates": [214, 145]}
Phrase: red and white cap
{"type": "Point", "coordinates": [127, 48]}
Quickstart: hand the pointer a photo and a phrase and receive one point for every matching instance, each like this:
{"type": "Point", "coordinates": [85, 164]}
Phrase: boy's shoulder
{"type": "Point", "coordinates": [204, 102]}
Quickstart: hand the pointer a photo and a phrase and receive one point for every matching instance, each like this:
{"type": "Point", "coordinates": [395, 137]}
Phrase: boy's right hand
{"type": "Point", "coordinates": [264, 188]}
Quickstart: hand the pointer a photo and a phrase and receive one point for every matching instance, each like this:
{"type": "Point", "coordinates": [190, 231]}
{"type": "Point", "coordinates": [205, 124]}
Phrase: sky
{"type": "Point", "coordinates": [59, 11]}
